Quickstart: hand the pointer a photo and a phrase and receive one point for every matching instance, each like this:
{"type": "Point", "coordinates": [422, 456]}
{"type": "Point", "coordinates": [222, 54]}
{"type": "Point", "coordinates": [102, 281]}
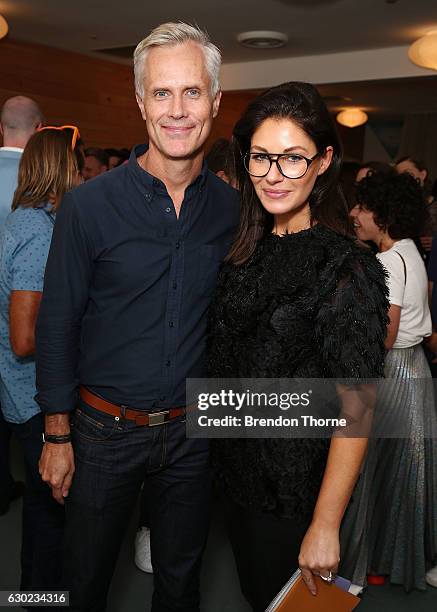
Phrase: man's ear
{"type": "Point", "coordinates": [326, 160]}
{"type": "Point", "coordinates": [216, 104]}
{"type": "Point", "coordinates": [141, 106]}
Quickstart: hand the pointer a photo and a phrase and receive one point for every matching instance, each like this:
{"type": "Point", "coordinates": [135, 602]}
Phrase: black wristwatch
{"type": "Point", "coordinates": [56, 439]}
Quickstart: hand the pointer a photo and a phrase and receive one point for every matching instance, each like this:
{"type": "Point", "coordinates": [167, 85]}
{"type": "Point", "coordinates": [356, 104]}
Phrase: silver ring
{"type": "Point", "coordinates": [329, 578]}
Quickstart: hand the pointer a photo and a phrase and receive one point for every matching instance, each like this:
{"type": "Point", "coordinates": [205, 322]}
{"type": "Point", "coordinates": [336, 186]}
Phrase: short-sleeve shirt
{"type": "Point", "coordinates": [24, 246]}
{"type": "Point", "coordinates": [9, 162]}
{"type": "Point", "coordinates": [408, 288]}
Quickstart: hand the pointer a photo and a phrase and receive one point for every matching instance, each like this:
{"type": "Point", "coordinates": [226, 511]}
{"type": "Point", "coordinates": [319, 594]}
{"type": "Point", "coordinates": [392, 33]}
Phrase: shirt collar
{"type": "Point", "coordinates": [150, 182]}
{"type": "Point", "coordinates": [48, 207]}
{"type": "Point", "coordinates": [14, 149]}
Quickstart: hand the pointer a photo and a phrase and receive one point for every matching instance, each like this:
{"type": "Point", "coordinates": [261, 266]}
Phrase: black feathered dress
{"type": "Point", "coordinates": [311, 305]}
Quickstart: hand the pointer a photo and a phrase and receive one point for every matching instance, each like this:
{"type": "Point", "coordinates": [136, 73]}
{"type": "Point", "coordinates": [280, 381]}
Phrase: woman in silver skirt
{"type": "Point", "coordinates": [390, 528]}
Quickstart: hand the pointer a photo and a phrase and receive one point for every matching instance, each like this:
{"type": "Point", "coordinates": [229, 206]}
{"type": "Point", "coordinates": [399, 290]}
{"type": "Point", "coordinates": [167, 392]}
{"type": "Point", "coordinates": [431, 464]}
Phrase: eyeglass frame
{"type": "Point", "coordinates": [308, 160]}
{"type": "Point", "coordinates": [61, 128]}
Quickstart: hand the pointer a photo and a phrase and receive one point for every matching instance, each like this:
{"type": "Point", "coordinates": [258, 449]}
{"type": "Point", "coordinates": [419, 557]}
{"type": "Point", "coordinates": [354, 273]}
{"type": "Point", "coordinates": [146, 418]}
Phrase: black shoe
{"type": "Point", "coordinates": [17, 491]}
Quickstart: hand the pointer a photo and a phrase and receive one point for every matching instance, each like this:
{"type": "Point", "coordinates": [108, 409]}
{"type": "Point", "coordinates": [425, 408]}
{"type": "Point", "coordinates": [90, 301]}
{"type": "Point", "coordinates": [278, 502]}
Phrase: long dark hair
{"type": "Point", "coordinates": [301, 103]}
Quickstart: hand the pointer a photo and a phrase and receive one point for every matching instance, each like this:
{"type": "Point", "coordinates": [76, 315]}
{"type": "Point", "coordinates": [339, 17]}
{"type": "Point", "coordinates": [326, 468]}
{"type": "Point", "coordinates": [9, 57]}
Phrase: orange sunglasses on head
{"type": "Point", "coordinates": [63, 128]}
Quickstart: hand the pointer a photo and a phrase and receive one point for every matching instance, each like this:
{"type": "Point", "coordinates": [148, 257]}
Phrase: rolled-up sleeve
{"type": "Point", "coordinates": [65, 298]}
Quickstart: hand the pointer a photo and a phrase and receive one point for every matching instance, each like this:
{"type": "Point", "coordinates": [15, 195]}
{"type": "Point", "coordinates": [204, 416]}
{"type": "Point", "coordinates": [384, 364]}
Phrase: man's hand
{"type": "Point", "coordinates": [56, 467]}
{"type": "Point", "coordinates": [56, 464]}
{"type": "Point", "coordinates": [319, 553]}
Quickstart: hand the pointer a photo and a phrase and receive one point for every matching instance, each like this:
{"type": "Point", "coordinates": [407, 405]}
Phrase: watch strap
{"type": "Point", "coordinates": [64, 439]}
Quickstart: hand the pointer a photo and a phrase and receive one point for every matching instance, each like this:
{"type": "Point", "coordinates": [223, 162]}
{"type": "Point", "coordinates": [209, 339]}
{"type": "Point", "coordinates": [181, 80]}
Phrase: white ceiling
{"type": "Point", "coordinates": [313, 26]}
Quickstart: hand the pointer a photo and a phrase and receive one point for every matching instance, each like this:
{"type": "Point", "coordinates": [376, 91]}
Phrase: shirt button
{"type": "Point", "coordinates": [177, 245]}
{"type": "Point", "coordinates": [148, 196]}
{"type": "Point", "coordinates": [167, 363]}
{"type": "Point", "coordinates": [171, 324]}
{"type": "Point", "coordinates": [168, 209]}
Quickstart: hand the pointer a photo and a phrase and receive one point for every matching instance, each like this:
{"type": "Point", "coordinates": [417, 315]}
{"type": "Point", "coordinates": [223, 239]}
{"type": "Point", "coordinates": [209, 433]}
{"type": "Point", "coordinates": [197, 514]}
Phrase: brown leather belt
{"type": "Point", "coordinates": [140, 417]}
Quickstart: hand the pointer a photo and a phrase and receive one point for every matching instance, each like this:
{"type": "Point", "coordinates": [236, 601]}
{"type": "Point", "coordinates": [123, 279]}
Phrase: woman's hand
{"type": "Point", "coordinates": [319, 553]}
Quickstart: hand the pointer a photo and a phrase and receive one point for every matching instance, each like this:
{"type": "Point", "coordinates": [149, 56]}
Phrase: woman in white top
{"type": "Point", "coordinates": [391, 525]}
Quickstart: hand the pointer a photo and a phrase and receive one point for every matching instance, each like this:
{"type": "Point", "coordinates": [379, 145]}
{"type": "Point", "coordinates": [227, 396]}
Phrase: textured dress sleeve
{"type": "Point", "coordinates": [351, 321]}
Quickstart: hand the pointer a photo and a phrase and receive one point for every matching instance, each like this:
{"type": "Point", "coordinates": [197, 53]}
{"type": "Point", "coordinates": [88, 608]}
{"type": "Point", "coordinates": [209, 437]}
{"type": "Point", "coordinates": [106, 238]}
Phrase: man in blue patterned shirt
{"type": "Point", "coordinates": [20, 117]}
{"type": "Point", "coordinates": [48, 169]}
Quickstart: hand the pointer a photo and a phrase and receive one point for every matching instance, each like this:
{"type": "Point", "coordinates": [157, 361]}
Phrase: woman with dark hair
{"type": "Point", "coordinates": [414, 167]}
{"type": "Point", "coordinates": [300, 298]}
{"type": "Point", "coordinates": [418, 170]}
{"type": "Point", "coordinates": [373, 167]}
{"type": "Point", "coordinates": [391, 525]}
{"type": "Point", "coordinates": [48, 168]}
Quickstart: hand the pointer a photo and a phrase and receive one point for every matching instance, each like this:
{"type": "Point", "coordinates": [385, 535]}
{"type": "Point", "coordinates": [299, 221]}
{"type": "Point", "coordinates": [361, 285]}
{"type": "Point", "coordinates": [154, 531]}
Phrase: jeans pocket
{"type": "Point", "coordinates": [94, 429]}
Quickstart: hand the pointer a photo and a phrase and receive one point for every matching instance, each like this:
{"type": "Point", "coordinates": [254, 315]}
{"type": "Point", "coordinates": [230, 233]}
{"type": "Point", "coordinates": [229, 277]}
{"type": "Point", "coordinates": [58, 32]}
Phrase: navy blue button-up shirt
{"type": "Point", "coordinates": [127, 288]}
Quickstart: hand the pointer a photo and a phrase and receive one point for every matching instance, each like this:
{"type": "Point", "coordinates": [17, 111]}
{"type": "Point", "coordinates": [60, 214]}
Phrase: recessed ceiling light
{"type": "Point", "coordinates": [262, 39]}
{"type": "Point", "coordinates": [423, 52]}
{"type": "Point", "coordinates": [3, 26]}
{"type": "Point", "coordinates": [352, 117]}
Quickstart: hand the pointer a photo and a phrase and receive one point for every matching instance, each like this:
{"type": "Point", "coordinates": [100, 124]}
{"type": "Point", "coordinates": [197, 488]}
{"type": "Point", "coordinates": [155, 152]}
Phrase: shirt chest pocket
{"type": "Point", "coordinates": [209, 258]}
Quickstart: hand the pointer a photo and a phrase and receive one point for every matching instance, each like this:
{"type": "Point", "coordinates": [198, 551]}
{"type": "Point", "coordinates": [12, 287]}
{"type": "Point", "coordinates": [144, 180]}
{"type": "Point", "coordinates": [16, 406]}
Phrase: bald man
{"type": "Point", "coordinates": [20, 118]}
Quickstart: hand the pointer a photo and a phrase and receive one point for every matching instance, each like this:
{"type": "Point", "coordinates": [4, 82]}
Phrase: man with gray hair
{"type": "Point", "coordinates": [20, 117]}
{"type": "Point", "coordinates": [122, 324]}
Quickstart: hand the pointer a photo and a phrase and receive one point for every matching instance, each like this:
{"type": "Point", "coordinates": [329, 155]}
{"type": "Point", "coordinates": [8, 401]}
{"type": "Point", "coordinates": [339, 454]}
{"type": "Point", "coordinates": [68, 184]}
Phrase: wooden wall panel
{"type": "Point", "coordinates": [231, 107]}
{"type": "Point", "coordinates": [98, 95]}
{"type": "Point", "coordinates": [95, 94]}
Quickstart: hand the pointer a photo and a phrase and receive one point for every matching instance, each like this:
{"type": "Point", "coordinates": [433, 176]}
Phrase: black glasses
{"type": "Point", "coordinates": [290, 165]}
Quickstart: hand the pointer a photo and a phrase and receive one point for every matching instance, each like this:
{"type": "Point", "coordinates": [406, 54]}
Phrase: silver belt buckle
{"type": "Point", "coordinates": [158, 418]}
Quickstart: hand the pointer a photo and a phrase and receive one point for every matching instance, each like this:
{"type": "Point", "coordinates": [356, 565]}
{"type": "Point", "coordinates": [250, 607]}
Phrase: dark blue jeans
{"type": "Point", "coordinates": [112, 459]}
{"type": "Point", "coordinates": [43, 517]}
{"type": "Point", "coordinates": [143, 519]}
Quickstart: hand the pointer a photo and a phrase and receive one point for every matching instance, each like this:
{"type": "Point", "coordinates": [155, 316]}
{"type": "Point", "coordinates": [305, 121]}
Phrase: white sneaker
{"type": "Point", "coordinates": [431, 577]}
{"type": "Point", "coordinates": [143, 557]}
